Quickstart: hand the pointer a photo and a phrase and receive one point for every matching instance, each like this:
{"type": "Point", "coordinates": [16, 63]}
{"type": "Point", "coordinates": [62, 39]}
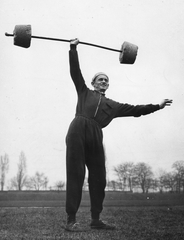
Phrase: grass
{"type": "Point", "coordinates": [150, 216]}
{"type": "Point", "coordinates": [133, 223]}
{"type": "Point", "coordinates": [57, 199]}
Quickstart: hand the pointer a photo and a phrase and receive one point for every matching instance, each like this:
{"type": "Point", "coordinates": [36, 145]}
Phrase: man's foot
{"type": "Point", "coordinates": [99, 224]}
{"type": "Point", "coordinates": [74, 227]}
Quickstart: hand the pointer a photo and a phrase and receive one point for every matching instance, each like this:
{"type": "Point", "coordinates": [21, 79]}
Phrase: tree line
{"type": "Point", "coordinates": [21, 181]}
{"type": "Point", "coordinates": [130, 177]}
{"type": "Point", "coordinates": [140, 177]}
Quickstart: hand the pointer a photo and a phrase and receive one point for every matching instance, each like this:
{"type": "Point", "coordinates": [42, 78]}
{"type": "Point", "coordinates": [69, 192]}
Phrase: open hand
{"type": "Point", "coordinates": [165, 102]}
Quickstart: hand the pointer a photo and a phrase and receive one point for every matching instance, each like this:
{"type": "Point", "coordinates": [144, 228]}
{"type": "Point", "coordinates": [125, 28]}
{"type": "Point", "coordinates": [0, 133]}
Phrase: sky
{"type": "Point", "coordinates": [38, 98]}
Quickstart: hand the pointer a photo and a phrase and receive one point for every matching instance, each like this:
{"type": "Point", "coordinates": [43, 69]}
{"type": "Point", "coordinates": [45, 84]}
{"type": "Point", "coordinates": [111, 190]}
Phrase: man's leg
{"type": "Point", "coordinates": [97, 173]}
{"type": "Point", "coordinates": [97, 184]}
{"type": "Point", "coordinates": [75, 175]}
{"type": "Point", "coordinates": [97, 180]}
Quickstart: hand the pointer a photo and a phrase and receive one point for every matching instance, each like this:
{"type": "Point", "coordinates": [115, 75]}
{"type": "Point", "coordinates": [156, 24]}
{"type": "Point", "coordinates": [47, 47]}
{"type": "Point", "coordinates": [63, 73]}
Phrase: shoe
{"type": "Point", "coordinates": [71, 226]}
{"type": "Point", "coordinates": [74, 227]}
{"type": "Point", "coordinates": [99, 224]}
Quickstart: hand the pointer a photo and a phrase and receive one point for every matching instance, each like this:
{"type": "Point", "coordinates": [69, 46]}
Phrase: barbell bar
{"type": "Point", "coordinates": [22, 35]}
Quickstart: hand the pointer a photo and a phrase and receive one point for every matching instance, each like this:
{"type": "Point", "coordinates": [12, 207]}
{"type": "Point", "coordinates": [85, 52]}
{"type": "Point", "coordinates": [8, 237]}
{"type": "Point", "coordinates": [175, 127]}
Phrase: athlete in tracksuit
{"type": "Point", "coordinates": [84, 139]}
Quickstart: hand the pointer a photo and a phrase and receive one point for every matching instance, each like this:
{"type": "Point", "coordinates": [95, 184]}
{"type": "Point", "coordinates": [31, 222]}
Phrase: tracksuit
{"type": "Point", "coordinates": [84, 140]}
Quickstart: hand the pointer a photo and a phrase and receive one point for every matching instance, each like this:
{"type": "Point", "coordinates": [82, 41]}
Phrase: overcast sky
{"type": "Point", "coordinates": [38, 98]}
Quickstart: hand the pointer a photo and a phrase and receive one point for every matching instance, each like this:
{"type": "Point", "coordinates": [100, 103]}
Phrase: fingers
{"type": "Point", "coordinates": [168, 102]}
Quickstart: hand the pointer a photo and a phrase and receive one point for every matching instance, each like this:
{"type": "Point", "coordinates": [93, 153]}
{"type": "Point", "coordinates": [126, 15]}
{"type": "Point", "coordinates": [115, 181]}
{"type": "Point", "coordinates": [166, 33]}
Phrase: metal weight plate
{"type": "Point", "coordinates": [128, 53]}
{"type": "Point", "coordinates": [22, 36]}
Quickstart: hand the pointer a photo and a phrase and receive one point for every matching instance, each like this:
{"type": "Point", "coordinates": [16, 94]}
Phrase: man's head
{"type": "Point", "coordinates": [100, 82]}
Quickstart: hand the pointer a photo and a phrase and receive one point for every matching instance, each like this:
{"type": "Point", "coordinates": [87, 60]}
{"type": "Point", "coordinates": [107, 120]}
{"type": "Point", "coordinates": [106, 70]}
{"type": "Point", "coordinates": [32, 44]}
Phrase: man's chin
{"type": "Point", "coordinates": [103, 90]}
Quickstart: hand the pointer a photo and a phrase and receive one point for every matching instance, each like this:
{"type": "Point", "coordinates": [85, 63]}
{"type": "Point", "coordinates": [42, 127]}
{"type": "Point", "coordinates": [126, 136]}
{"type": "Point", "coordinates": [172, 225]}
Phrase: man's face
{"type": "Point", "coordinates": [101, 84]}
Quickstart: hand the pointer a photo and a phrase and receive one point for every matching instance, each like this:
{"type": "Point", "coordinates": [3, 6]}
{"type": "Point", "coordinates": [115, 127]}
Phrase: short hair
{"type": "Point", "coordinates": [98, 76]}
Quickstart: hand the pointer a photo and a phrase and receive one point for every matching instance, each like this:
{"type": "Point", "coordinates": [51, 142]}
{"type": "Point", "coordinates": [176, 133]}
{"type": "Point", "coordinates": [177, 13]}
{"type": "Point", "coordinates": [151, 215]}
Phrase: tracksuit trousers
{"type": "Point", "coordinates": [84, 143]}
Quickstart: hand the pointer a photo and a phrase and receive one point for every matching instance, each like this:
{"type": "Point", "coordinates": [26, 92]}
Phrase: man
{"type": "Point", "coordinates": [84, 140]}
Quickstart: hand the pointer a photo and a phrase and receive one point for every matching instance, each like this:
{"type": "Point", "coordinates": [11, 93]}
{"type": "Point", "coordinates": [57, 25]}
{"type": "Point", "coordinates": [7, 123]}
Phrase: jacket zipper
{"type": "Point", "coordinates": [99, 101]}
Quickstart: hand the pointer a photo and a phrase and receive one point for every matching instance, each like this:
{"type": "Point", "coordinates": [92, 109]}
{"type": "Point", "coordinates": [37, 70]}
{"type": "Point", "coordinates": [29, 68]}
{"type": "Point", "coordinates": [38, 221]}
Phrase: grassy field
{"type": "Point", "coordinates": [136, 216]}
{"type": "Point", "coordinates": [132, 223]}
{"type": "Point", "coordinates": [57, 199]}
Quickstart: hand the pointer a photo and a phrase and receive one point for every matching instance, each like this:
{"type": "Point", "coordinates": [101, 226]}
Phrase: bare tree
{"type": "Point", "coordinates": [155, 185]}
{"type": "Point", "coordinates": [159, 180]}
{"type": "Point", "coordinates": [179, 169]}
{"type": "Point", "coordinates": [112, 185]}
{"type": "Point", "coordinates": [143, 176]}
{"type": "Point", "coordinates": [120, 174]}
{"type": "Point", "coordinates": [168, 180]}
{"type": "Point", "coordinates": [13, 184]}
{"type": "Point", "coordinates": [19, 181]}
{"type": "Point", "coordinates": [4, 166]}
{"type": "Point", "coordinates": [45, 182]}
{"type": "Point", "coordinates": [60, 185]}
{"type": "Point", "coordinates": [38, 181]}
{"type": "Point", "coordinates": [21, 175]}
{"type": "Point", "coordinates": [125, 174]}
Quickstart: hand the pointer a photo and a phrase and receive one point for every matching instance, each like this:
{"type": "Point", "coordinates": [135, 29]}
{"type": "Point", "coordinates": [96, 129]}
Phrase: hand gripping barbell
{"type": "Point", "coordinates": [22, 37]}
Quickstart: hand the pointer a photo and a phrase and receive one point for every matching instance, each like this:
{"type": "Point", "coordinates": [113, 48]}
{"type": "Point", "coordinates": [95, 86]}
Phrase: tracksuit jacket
{"type": "Point", "coordinates": [84, 140]}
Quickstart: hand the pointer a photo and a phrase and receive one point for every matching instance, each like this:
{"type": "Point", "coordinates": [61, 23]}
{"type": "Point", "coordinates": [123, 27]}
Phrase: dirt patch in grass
{"type": "Point", "coordinates": [140, 223]}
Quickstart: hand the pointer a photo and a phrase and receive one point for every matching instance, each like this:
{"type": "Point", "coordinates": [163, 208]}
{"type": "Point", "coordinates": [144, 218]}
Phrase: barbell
{"type": "Point", "coordinates": [23, 34]}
